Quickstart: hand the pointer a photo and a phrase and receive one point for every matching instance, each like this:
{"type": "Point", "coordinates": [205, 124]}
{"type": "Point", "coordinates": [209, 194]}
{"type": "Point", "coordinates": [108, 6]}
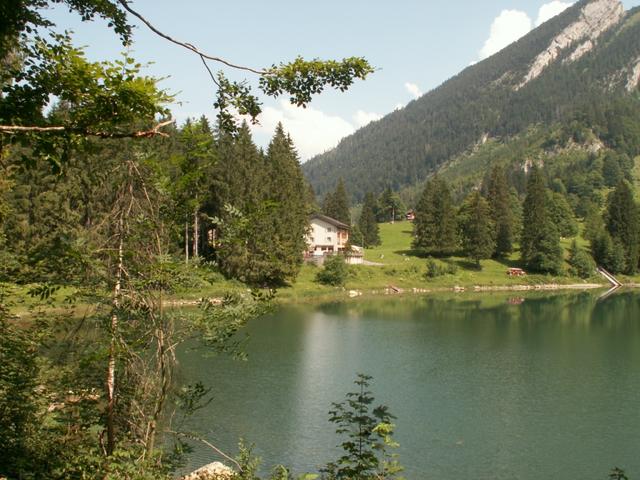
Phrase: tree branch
{"type": "Point", "coordinates": [211, 446]}
{"type": "Point", "coordinates": [11, 129]}
{"type": "Point", "coordinates": [188, 46]}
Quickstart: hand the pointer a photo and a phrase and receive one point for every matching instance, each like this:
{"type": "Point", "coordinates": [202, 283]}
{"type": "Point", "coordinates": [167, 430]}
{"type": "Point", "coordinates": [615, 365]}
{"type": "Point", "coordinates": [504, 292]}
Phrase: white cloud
{"type": "Point", "coordinates": [362, 118]}
{"type": "Point", "coordinates": [312, 131]}
{"type": "Point", "coordinates": [413, 89]}
{"type": "Point", "coordinates": [550, 10]}
{"type": "Point", "coordinates": [507, 27]}
{"type": "Point", "coordinates": [511, 25]}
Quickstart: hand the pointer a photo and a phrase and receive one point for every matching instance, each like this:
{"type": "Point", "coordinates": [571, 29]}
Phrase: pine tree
{"type": "Point", "coordinates": [540, 243]}
{"type": "Point", "coordinates": [237, 194]}
{"type": "Point", "coordinates": [499, 199]}
{"type": "Point", "coordinates": [622, 223]}
{"type": "Point", "coordinates": [389, 207]}
{"type": "Point", "coordinates": [562, 215]}
{"type": "Point", "coordinates": [336, 204]}
{"type": "Point", "coordinates": [288, 222]}
{"type": "Point", "coordinates": [434, 228]}
{"type": "Point", "coordinates": [367, 223]}
{"type": "Point", "coordinates": [477, 228]}
{"type": "Point", "coordinates": [195, 162]}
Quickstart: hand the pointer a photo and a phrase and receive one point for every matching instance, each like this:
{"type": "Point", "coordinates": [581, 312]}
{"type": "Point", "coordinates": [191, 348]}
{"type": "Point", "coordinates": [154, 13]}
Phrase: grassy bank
{"type": "Point", "coordinates": [406, 269]}
{"type": "Point", "coordinates": [399, 266]}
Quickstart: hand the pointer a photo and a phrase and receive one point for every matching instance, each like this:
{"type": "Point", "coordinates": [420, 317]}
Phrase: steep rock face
{"type": "Point", "coordinates": [582, 49]}
{"type": "Point", "coordinates": [634, 76]}
{"type": "Point", "coordinates": [595, 18]}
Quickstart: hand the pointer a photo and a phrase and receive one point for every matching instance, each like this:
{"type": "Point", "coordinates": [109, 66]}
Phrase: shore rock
{"type": "Point", "coordinates": [211, 471]}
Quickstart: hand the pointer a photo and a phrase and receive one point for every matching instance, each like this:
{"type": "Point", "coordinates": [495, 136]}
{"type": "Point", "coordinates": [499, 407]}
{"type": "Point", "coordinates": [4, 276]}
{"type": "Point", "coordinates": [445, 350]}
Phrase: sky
{"type": "Point", "coordinates": [415, 45]}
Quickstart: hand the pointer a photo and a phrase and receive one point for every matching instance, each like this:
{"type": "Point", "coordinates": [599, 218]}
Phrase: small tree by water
{"type": "Point", "coordinates": [367, 437]}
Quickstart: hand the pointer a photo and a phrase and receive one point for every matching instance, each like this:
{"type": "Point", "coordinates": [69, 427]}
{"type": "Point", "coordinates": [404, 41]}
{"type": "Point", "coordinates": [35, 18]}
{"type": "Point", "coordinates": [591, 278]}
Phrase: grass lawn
{"type": "Point", "coordinates": [400, 267]}
{"type": "Point", "coordinates": [404, 268]}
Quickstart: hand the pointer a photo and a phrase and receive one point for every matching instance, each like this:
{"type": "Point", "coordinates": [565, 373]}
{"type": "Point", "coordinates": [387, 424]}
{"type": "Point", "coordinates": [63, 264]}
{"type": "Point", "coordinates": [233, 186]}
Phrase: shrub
{"type": "Point", "coordinates": [582, 265]}
{"type": "Point", "coordinates": [433, 269]}
{"type": "Point", "coordinates": [334, 273]}
{"type": "Point", "coordinates": [367, 433]}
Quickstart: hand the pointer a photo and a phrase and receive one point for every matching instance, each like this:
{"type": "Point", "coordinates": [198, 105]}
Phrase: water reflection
{"type": "Point", "coordinates": [483, 387]}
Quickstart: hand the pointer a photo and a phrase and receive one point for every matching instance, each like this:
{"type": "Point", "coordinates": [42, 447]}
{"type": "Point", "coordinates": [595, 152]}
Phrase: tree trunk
{"type": "Point", "coordinates": [186, 242]}
{"type": "Point", "coordinates": [163, 370]}
{"type": "Point", "coordinates": [111, 368]}
{"type": "Point", "coordinates": [196, 229]}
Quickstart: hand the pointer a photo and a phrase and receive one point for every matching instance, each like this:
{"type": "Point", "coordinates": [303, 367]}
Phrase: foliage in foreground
{"type": "Point", "coordinates": [367, 433]}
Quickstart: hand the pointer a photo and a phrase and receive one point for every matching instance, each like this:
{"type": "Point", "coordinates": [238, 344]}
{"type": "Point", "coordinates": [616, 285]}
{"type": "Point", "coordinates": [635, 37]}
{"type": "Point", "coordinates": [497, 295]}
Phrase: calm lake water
{"type": "Point", "coordinates": [484, 387]}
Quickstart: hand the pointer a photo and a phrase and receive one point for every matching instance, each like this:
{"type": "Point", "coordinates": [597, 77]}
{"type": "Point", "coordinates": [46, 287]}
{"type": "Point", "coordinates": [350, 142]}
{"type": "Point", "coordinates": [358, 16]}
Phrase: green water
{"type": "Point", "coordinates": [482, 388]}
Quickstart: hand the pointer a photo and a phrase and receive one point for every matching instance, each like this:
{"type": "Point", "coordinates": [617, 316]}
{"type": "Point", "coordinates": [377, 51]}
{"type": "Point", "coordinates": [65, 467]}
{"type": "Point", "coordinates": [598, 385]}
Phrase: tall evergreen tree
{"type": "Point", "coordinates": [622, 223]}
{"type": "Point", "coordinates": [389, 207]}
{"type": "Point", "coordinates": [336, 204]}
{"type": "Point", "coordinates": [236, 199]}
{"type": "Point", "coordinates": [477, 228]}
{"type": "Point", "coordinates": [434, 228]}
{"type": "Point", "coordinates": [283, 230]}
{"type": "Point", "coordinates": [195, 162]}
{"type": "Point", "coordinates": [265, 221]}
{"type": "Point", "coordinates": [499, 199]}
{"type": "Point", "coordinates": [367, 223]}
{"type": "Point", "coordinates": [562, 215]}
{"type": "Point", "coordinates": [540, 243]}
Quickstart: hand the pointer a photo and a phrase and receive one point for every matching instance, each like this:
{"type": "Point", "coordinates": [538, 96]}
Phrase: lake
{"type": "Point", "coordinates": [484, 386]}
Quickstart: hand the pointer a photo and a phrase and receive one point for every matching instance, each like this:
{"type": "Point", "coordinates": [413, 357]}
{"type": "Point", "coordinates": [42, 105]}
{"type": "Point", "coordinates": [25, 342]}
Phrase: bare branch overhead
{"type": "Point", "coordinates": [188, 46]}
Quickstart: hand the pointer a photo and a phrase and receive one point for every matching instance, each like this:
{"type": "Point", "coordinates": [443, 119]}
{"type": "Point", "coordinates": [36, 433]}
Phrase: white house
{"type": "Point", "coordinates": [326, 235]}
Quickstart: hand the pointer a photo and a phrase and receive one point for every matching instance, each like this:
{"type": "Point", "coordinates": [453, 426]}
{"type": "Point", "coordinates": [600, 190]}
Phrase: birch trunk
{"type": "Point", "coordinates": [186, 242]}
{"type": "Point", "coordinates": [196, 229]}
{"type": "Point", "coordinates": [111, 368]}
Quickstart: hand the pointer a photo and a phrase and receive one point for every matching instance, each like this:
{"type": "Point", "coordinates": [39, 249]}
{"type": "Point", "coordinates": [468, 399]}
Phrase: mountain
{"type": "Point", "coordinates": [582, 66]}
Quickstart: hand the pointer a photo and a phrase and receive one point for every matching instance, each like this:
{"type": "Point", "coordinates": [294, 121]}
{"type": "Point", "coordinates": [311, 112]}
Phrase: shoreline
{"type": "Point", "coordinates": [354, 293]}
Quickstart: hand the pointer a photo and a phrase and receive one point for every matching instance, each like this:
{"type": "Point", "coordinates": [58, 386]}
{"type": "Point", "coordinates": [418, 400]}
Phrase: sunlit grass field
{"type": "Point", "coordinates": [398, 266]}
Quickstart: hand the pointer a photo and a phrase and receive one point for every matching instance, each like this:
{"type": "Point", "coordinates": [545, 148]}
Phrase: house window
{"type": "Point", "coordinates": [329, 229]}
{"type": "Point", "coordinates": [328, 239]}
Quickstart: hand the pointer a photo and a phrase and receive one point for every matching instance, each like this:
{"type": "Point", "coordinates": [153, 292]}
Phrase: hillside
{"type": "Point", "coordinates": [581, 67]}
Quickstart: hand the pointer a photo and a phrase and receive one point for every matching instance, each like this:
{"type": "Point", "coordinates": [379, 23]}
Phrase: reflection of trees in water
{"type": "Point", "coordinates": [497, 312]}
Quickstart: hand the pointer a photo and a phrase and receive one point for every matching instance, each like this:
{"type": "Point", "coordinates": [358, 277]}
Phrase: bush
{"type": "Point", "coordinates": [367, 433]}
{"type": "Point", "coordinates": [436, 269]}
{"type": "Point", "coordinates": [582, 265]}
{"type": "Point", "coordinates": [334, 273]}
{"type": "Point", "coordinates": [451, 268]}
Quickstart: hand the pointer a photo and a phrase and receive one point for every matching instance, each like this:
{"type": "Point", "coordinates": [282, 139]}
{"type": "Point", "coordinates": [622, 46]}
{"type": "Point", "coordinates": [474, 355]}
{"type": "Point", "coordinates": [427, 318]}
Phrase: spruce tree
{"type": "Point", "coordinates": [499, 199]}
{"type": "Point", "coordinates": [285, 227]}
{"type": "Point", "coordinates": [336, 204]}
{"type": "Point", "coordinates": [562, 215]}
{"type": "Point", "coordinates": [477, 228]}
{"type": "Point", "coordinates": [434, 228]}
{"type": "Point", "coordinates": [540, 243]}
{"type": "Point", "coordinates": [389, 207]}
{"type": "Point", "coordinates": [238, 193]}
{"type": "Point", "coordinates": [622, 223]}
{"type": "Point", "coordinates": [367, 223]}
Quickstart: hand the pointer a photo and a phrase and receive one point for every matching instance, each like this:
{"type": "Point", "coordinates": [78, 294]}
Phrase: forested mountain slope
{"type": "Point", "coordinates": [581, 66]}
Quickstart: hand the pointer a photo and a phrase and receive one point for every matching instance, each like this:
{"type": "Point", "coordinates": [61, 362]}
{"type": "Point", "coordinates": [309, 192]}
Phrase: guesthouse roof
{"type": "Point", "coordinates": [331, 221]}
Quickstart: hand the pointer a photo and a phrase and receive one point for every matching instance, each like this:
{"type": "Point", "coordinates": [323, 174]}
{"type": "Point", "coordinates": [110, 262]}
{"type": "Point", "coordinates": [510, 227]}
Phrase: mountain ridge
{"type": "Point", "coordinates": [600, 63]}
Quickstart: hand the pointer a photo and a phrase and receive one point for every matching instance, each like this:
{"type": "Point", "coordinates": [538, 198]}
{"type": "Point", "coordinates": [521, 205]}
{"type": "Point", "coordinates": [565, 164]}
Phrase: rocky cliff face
{"type": "Point", "coordinates": [634, 76]}
{"type": "Point", "coordinates": [595, 18]}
